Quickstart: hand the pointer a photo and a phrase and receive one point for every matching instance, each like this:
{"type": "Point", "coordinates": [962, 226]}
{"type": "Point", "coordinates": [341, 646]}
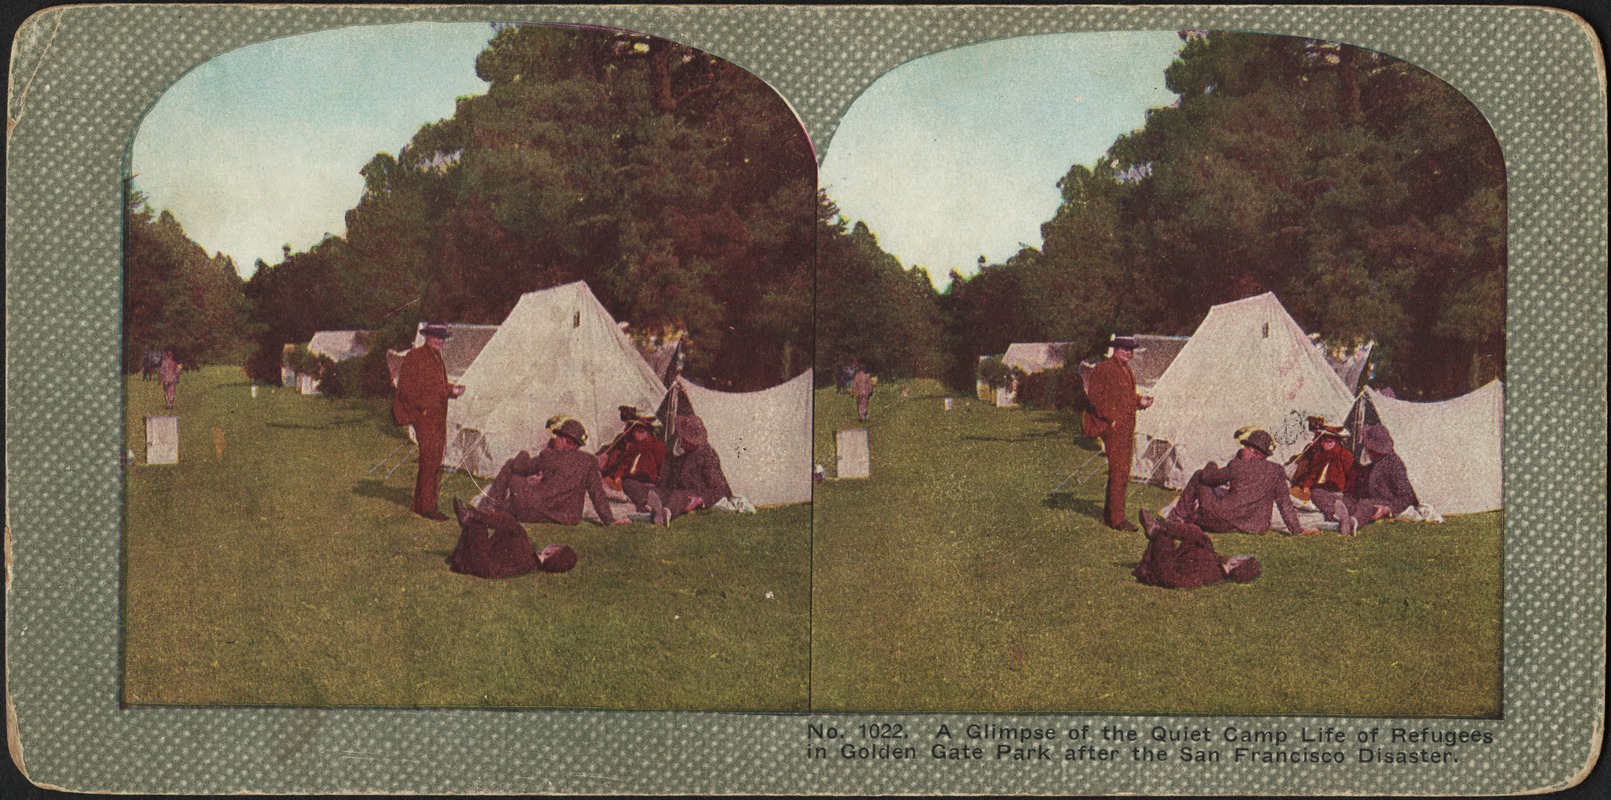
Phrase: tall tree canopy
{"type": "Point", "coordinates": [1367, 193]}
{"type": "Point", "coordinates": [175, 295]}
{"type": "Point", "coordinates": [869, 307]}
{"type": "Point", "coordinates": [680, 187]}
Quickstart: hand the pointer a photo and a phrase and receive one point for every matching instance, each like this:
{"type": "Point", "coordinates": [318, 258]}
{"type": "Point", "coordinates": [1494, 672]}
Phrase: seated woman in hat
{"type": "Point", "coordinates": [1386, 491]}
{"type": "Point", "coordinates": [635, 455]}
{"type": "Point", "coordinates": [1324, 463]}
{"type": "Point", "coordinates": [692, 478]}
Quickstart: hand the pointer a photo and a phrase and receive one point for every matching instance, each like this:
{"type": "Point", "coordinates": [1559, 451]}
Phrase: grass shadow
{"type": "Point", "coordinates": [378, 490]}
{"type": "Point", "coordinates": [1069, 502]}
{"type": "Point", "coordinates": [336, 423]}
{"type": "Point", "coordinates": [1028, 437]}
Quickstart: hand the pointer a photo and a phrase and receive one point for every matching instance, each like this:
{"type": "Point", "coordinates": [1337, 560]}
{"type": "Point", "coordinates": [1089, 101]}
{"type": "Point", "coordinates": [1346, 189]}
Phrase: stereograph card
{"type": "Point", "coordinates": [216, 581]}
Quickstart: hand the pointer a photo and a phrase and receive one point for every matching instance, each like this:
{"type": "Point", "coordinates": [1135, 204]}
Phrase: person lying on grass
{"type": "Point", "coordinates": [1180, 556]}
{"type": "Point", "coordinates": [492, 544]}
{"type": "Point", "coordinates": [692, 478]}
{"type": "Point", "coordinates": [1386, 490]}
{"type": "Point", "coordinates": [1240, 495]}
{"type": "Point", "coordinates": [566, 476]}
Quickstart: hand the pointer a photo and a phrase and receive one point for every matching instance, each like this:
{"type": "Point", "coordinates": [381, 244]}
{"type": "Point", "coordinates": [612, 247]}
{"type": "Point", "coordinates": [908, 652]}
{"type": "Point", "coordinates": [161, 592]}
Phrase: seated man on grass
{"type": "Point", "coordinates": [1385, 492]}
{"type": "Point", "coordinates": [566, 476]}
{"type": "Point", "coordinates": [692, 478]}
{"type": "Point", "coordinates": [1241, 495]}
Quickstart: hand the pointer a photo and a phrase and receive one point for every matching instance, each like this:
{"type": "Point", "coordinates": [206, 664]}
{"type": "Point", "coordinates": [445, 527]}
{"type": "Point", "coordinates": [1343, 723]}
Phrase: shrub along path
{"type": "Point", "coordinates": [952, 581]}
{"type": "Point", "coordinates": [280, 573]}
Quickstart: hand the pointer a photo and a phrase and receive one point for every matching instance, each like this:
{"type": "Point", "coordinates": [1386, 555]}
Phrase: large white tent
{"type": "Point", "coordinates": [559, 351]}
{"type": "Point", "coordinates": [1248, 363]}
{"type": "Point", "coordinates": [763, 438]}
{"type": "Point", "coordinates": [1452, 450]}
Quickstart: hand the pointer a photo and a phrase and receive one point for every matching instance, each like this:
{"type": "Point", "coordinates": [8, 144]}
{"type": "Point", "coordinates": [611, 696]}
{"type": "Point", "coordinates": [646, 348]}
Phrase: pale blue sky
{"type": "Point", "coordinates": [958, 154]}
{"type": "Point", "coordinates": [261, 146]}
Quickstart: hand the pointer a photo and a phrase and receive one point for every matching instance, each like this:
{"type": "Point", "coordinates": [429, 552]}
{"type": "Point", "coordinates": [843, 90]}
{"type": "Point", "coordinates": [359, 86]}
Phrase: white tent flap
{"type": "Point", "coordinates": [763, 438]}
{"type": "Point", "coordinates": [1453, 450]}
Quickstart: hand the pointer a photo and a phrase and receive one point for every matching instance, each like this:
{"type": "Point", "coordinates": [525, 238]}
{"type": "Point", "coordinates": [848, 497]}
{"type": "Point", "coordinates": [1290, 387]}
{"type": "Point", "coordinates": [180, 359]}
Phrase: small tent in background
{"type": "Point", "coordinates": [763, 438]}
{"type": "Point", "coordinates": [1031, 357]}
{"type": "Point", "coordinates": [1452, 450]}
{"type": "Point", "coordinates": [465, 342]}
{"type": "Point", "coordinates": [337, 346]}
{"type": "Point", "coordinates": [1152, 358]}
{"type": "Point", "coordinates": [559, 351]}
{"type": "Point", "coordinates": [1248, 363]}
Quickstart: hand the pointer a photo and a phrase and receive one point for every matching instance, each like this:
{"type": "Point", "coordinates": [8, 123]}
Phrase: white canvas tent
{"type": "Point", "coordinates": [335, 345]}
{"type": "Point", "coordinates": [763, 438]}
{"type": "Point", "coordinates": [1452, 450]}
{"type": "Point", "coordinates": [1031, 357]}
{"type": "Point", "coordinates": [558, 352]}
{"type": "Point", "coordinates": [1248, 363]}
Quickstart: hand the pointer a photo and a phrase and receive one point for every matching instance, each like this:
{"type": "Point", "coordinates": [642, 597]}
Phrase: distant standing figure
{"type": "Point", "coordinates": [1111, 417]}
{"type": "Point", "coordinates": [421, 401]}
{"type": "Point", "coordinates": [1387, 490]}
{"type": "Point", "coordinates": [861, 387]}
{"type": "Point", "coordinates": [168, 372]}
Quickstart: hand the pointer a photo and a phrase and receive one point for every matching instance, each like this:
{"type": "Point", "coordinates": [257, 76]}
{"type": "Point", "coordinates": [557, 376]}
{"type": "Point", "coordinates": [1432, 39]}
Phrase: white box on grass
{"type": "Point", "coordinates": [855, 459]}
{"type": "Point", "coordinates": [161, 440]}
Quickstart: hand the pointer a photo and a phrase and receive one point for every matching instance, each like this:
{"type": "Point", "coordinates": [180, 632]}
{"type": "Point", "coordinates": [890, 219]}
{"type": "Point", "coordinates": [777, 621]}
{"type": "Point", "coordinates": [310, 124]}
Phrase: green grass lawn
{"type": "Point", "coordinates": [952, 580]}
{"type": "Point", "coordinates": [281, 573]}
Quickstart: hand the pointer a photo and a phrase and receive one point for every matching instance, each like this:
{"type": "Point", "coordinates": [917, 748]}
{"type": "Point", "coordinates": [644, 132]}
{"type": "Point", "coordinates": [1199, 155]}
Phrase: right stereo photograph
{"type": "Point", "coordinates": [1160, 373]}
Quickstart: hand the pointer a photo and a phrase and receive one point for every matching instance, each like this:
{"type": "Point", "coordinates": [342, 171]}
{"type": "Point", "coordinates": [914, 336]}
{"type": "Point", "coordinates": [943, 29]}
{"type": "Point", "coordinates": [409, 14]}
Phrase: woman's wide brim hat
{"type": "Point", "coordinates": [691, 431]}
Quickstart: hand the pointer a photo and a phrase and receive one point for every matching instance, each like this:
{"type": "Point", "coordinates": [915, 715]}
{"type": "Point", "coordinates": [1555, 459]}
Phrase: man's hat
{"type": "Point", "coordinates": [1257, 438]}
{"type": "Point", "coordinates": [1124, 341]}
{"type": "Point", "coordinates": [556, 558]}
{"type": "Point", "coordinates": [691, 431]}
{"type": "Point", "coordinates": [572, 430]}
{"type": "Point", "coordinates": [436, 329]}
{"type": "Point", "coordinates": [1242, 568]}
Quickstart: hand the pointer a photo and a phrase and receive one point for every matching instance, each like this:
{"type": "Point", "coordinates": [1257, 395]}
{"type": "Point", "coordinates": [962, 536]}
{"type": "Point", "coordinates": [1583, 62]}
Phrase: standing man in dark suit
{"type": "Point", "coordinates": [1111, 417]}
{"type": "Point", "coordinates": [422, 398]}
